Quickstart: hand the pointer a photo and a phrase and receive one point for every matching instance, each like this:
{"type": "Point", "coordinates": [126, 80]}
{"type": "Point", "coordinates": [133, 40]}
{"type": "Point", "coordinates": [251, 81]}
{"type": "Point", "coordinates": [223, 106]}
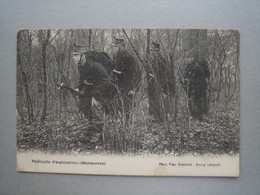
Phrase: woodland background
{"type": "Point", "coordinates": [48, 118]}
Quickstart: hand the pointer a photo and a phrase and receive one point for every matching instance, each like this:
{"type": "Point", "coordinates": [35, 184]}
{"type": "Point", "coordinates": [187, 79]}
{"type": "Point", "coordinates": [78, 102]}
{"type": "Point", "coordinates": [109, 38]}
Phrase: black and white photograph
{"type": "Point", "coordinates": [122, 101]}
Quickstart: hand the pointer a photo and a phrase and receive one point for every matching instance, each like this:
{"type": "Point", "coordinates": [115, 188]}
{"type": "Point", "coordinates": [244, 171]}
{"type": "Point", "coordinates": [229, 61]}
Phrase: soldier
{"type": "Point", "coordinates": [94, 85]}
{"type": "Point", "coordinates": [160, 83]}
{"type": "Point", "coordinates": [195, 83]}
{"type": "Point", "coordinates": [127, 74]}
{"type": "Point", "coordinates": [162, 70]}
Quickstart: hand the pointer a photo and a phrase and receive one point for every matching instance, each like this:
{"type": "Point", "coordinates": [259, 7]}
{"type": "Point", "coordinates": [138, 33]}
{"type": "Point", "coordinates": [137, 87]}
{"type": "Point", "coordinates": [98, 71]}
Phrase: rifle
{"type": "Point", "coordinates": [74, 92]}
{"type": "Point", "coordinates": [60, 86]}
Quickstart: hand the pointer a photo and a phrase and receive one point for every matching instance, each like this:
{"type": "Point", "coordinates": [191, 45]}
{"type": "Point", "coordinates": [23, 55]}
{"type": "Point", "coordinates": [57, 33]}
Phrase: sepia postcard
{"type": "Point", "coordinates": [143, 102]}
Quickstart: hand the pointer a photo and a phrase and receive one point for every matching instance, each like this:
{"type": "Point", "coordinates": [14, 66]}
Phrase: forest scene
{"type": "Point", "coordinates": [128, 91]}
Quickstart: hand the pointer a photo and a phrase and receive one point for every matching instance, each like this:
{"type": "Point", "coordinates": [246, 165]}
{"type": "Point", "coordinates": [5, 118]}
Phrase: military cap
{"type": "Point", "coordinates": [79, 49]}
{"type": "Point", "coordinates": [156, 46]}
{"type": "Point", "coordinates": [118, 42]}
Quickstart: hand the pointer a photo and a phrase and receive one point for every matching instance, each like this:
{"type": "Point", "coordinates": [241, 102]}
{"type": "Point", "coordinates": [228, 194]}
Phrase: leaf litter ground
{"type": "Point", "coordinates": [216, 134]}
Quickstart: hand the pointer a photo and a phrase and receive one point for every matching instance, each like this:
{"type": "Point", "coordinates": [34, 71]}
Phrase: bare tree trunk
{"type": "Point", "coordinates": [171, 75]}
{"type": "Point", "coordinates": [236, 61]}
{"type": "Point", "coordinates": [112, 38]}
{"type": "Point", "coordinates": [89, 39]}
{"type": "Point", "coordinates": [24, 77]}
{"type": "Point", "coordinates": [102, 39]}
{"type": "Point", "coordinates": [148, 43]}
{"type": "Point", "coordinates": [45, 42]}
{"type": "Point", "coordinates": [196, 43]}
{"type": "Point", "coordinates": [174, 77]}
{"type": "Point", "coordinates": [29, 63]}
{"type": "Point", "coordinates": [221, 67]}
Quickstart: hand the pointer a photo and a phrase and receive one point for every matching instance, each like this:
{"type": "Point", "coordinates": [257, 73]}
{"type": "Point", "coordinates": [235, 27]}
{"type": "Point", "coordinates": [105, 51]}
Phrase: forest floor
{"type": "Point", "coordinates": [218, 133]}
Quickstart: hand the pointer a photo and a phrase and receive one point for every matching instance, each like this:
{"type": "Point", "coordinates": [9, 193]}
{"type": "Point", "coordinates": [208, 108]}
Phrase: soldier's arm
{"type": "Point", "coordinates": [80, 84]}
{"type": "Point", "coordinates": [206, 69]}
{"type": "Point", "coordinates": [101, 73]}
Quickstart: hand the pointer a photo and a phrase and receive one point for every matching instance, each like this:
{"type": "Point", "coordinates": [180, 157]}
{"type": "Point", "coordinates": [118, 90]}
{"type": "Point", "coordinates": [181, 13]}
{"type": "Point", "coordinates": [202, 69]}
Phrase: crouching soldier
{"type": "Point", "coordinates": [94, 86]}
{"type": "Point", "coordinates": [127, 75]}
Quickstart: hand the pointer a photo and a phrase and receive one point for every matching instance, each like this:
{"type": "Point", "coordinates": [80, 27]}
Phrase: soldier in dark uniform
{"type": "Point", "coordinates": [160, 83]}
{"type": "Point", "coordinates": [102, 58]}
{"type": "Point", "coordinates": [195, 83]}
{"type": "Point", "coordinates": [162, 70]}
{"type": "Point", "coordinates": [94, 85]}
{"type": "Point", "coordinates": [127, 74]}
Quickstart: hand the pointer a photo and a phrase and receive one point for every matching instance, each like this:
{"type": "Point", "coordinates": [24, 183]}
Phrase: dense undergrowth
{"type": "Point", "coordinates": [217, 133]}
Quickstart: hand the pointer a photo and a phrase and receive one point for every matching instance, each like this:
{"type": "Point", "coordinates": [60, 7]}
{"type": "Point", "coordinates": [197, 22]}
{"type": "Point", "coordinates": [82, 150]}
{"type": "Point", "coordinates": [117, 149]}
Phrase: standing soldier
{"type": "Point", "coordinates": [127, 74]}
{"type": "Point", "coordinates": [160, 83]}
{"type": "Point", "coordinates": [162, 70]}
{"type": "Point", "coordinates": [195, 83]}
